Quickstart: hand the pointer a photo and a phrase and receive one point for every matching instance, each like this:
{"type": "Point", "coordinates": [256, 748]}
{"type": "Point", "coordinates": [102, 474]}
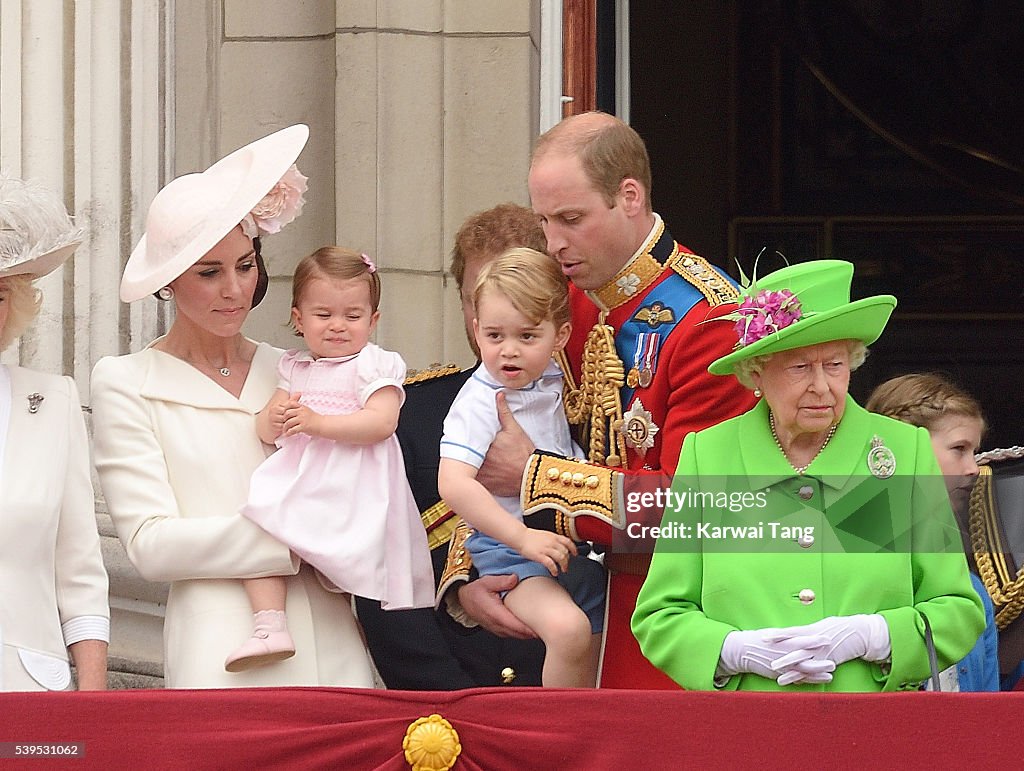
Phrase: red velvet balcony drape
{"type": "Point", "coordinates": [514, 728]}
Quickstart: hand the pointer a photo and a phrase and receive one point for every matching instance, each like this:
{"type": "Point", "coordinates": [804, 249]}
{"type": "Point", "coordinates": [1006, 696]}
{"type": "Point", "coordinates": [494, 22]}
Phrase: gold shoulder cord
{"type": "Point", "coordinates": [989, 553]}
{"type": "Point", "coordinates": [432, 372]}
{"type": "Point", "coordinates": [596, 404]}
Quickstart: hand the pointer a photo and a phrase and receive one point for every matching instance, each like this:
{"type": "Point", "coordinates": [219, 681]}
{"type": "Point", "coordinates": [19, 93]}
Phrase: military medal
{"type": "Point", "coordinates": [645, 360]}
{"type": "Point", "coordinates": [881, 461]}
{"type": "Point", "coordinates": [639, 428]}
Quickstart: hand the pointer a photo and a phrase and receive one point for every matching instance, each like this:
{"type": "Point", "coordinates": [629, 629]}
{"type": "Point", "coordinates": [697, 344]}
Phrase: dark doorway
{"type": "Point", "coordinates": [849, 134]}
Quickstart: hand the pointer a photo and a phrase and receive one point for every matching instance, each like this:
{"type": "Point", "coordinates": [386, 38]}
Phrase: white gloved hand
{"type": "Point", "coordinates": [808, 670]}
{"type": "Point", "coordinates": [757, 650]}
{"type": "Point", "coordinates": [862, 636]}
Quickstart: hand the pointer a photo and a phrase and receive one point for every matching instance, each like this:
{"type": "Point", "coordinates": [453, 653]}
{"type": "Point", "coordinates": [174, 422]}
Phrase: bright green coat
{"type": "Point", "coordinates": [698, 590]}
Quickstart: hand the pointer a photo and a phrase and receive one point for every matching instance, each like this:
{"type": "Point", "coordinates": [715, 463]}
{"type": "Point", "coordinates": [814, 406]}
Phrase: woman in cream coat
{"type": "Point", "coordinates": [54, 597]}
{"type": "Point", "coordinates": [175, 435]}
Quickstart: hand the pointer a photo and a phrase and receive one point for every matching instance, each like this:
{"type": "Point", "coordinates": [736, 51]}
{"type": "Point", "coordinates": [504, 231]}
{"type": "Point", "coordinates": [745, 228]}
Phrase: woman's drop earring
{"type": "Point", "coordinates": [757, 391]}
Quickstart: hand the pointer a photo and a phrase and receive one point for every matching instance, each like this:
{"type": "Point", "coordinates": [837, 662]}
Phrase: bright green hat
{"type": "Point", "coordinates": [803, 304]}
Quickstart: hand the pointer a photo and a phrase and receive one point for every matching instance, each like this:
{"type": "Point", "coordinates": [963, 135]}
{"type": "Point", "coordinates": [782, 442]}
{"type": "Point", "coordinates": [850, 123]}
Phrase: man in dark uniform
{"type": "Point", "coordinates": [424, 649]}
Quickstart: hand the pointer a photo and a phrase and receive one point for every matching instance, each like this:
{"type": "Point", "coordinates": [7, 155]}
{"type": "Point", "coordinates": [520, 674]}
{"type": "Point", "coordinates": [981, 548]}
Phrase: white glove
{"type": "Point", "coordinates": [808, 670]}
{"type": "Point", "coordinates": [863, 636]}
{"type": "Point", "coordinates": [757, 650]}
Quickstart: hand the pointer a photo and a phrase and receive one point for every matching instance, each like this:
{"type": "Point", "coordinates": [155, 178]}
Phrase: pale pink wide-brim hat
{"type": "Point", "coordinates": [192, 213]}
{"type": "Point", "coordinates": [36, 233]}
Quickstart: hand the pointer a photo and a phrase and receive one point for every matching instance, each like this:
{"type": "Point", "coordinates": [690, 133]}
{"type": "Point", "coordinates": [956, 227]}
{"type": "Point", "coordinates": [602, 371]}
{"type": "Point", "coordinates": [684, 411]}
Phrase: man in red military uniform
{"type": "Point", "coordinates": [636, 363]}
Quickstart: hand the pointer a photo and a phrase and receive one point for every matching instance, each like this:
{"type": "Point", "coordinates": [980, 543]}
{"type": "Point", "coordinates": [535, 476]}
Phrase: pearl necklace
{"type": "Point", "coordinates": [801, 469]}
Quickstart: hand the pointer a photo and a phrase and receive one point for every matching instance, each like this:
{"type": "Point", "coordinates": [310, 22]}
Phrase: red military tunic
{"type": "Point", "coordinates": [655, 307]}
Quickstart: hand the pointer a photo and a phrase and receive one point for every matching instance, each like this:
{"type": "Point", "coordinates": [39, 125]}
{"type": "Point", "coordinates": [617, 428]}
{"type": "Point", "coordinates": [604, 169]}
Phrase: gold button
{"type": "Point", "coordinates": [553, 473]}
{"type": "Point", "coordinates": [577, 479]}
{"type": "Point", "coordinates": [508, 675]}
{"type": "Point", "coordinates": [806, 493]}
{"type": "Point", "coordinates": [458, 561]}
{"type": "Point", "coordinates": [807, 596]}
{"type": "Point", "coordinates": [566, 477]}
{"type": "Point", "coordinates": [592, 482]}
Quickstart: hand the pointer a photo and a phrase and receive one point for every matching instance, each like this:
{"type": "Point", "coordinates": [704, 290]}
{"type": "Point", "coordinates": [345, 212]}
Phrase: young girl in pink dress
{"type": "Point", "coordinates": [335, 491]}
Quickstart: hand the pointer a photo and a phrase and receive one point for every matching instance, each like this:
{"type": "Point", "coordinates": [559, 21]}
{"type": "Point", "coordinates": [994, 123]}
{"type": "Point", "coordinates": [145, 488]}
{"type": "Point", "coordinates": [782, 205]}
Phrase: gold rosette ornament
{"type": "Point", "coordinates": [431, 744]}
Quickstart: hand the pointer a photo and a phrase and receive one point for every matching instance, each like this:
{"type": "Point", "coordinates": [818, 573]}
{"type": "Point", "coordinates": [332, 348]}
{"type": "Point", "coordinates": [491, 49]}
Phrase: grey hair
{"type": "Point", "coordinates": [24, 300]}
{"type": "Point", "coordinates": [744, 368]}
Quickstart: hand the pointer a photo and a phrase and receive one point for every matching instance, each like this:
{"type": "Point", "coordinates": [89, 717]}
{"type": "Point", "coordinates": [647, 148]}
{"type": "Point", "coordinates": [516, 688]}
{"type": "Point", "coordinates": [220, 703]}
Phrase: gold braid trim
{"type": "Point", "coordinates": [596, 405]}
{"type": "Point", "coordinates": [432, 372]}
{"type": "Point", "coordinates": [990, 554]}
{"type": "Point", "coordinates": [439, 521]}
{"type": "Point", "coordinates": [458, 563]}
{"type": "Point", "coordinates": [572, 487]}
{"type": "Point", "coordinates": [702, 274]}
{"type": "Point", "coordinates": [565, 526]}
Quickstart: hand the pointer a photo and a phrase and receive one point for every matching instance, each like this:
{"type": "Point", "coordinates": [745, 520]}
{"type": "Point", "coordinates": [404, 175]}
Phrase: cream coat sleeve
{"type": "Point", "coordinates": [81, 579]}
{"type": "Point", "coordinates": [175, 474]}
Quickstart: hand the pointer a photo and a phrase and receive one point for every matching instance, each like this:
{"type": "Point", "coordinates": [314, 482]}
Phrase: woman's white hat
{"type": "Point", "coordinates": [36, 233]}
{"type": "Point", "coordinates": [192, 213]}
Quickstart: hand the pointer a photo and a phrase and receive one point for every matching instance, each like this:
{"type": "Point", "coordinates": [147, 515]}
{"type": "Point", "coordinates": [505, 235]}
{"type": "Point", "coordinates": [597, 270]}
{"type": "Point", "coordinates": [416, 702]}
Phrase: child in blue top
{"type": "Point", "coordinates": [522, 318]}
{"type": "Point", "coordinates": [955, 424]}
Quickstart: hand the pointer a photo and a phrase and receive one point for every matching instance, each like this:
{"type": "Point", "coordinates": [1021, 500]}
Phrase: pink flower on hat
{"type": "Point", "coordinates": [278, 207]}
{"type": "Point", "coordinates": [765, 313]}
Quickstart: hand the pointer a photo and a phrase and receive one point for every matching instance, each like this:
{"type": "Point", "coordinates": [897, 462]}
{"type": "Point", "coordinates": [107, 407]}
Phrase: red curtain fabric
{"type": "Point", "coordinates": [512, 728]}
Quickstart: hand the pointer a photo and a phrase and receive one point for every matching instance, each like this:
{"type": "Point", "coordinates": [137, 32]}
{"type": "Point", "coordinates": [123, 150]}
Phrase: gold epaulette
{"type": "Point", "coordinates": [435, 370]}
{"type": "Point", "coordinates": [705, 277]}
{"type": "Point", "coordinates": [1004, 587]}
{"type": "Point", "coordinates": [439, 521]}
{"type": "Point", "coordinates": [573, 488]}
{"type": "Point", "coordinates": [459, 562]}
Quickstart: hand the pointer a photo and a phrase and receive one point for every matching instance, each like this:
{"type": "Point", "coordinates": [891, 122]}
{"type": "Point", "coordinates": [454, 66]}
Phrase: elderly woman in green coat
{"type": "Point", "coordinates": [809, 544]}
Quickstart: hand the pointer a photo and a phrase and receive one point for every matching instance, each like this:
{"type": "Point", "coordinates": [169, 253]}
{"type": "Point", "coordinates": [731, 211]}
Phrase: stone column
{"type": "Point", "coordinates": [436, 108]}
{"type": "Point", "coordinates": [36, 119]}
{"type": "Point", "coordinates": [82, 113]}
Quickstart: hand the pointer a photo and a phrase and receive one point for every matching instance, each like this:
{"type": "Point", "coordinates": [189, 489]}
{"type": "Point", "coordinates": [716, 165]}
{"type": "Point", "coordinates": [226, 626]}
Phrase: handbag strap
{"type": "Point", "coordinates": [933, 659]}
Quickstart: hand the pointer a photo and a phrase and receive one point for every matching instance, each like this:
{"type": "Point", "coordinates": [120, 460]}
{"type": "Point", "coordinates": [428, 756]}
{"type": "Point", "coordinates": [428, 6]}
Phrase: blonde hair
{"type": "Point", "coordinates": [24, 301]}
{"type": "Point", "coordinates": [923, 399]}
{"type": "Point", "coordinates": [492, 232]}
{"type": "Point", "coordinates": [533, 283]}
{"type": "Point", "coordinates": [339, 263]}
{"type": "Point", "coordinates": [744, 368]}
{"type": "Point", "coordinates": [608, 149]}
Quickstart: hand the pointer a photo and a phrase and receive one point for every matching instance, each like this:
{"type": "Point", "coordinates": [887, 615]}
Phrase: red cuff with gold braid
{"type": "Point", "coordinates": [574, 488]}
